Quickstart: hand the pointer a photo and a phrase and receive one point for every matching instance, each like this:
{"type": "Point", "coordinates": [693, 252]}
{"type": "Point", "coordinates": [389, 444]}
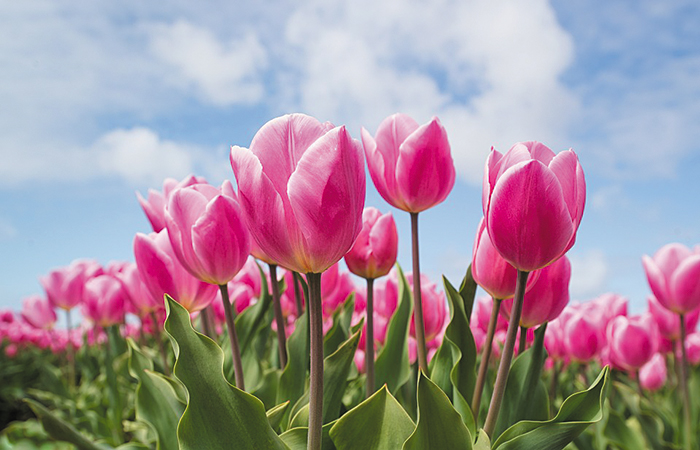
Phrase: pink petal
{"type": "Point", "coordinates": [539, 151]}
{"type": "Point", "coordinates": [327, 193]}
{"type": "Point", "coordinates": [657, 282]}
{"type": "Point", "coordinates": [685, 285]}
{"type": "Point", "coordinates": [528, 220]}
{"type": "Point", "coordinates": [490, 173]}
{"type": "Point", "coordinates": [185, 207]}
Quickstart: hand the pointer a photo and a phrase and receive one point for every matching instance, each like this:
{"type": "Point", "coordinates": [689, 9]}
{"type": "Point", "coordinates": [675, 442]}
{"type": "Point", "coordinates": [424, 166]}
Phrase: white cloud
{"type": "Point", "coordinates": [589, 272]}
{"type": "Point", "coordinates": [224, 73]}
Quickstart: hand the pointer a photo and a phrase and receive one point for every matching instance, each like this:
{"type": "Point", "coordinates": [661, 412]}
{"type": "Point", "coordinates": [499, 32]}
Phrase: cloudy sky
{"type": "Point", "coordinates": [102, 99]}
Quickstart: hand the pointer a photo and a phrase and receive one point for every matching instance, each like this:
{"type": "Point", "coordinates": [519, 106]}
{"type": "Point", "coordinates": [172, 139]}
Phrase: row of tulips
{"type": "Point", "coordinates": [298, 208]}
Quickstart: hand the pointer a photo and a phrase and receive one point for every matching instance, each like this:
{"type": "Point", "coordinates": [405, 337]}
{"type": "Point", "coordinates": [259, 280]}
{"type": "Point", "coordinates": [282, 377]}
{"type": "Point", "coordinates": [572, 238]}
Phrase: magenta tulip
{"type": "Point", "coordinates": [163, 274]}
{"type": "Point", "coordinates": [301, 186]}
{"type": "Point", "coordinates": [668, 322]}
{"type": "Point", "coordinates": [374, 252]}
{"type": "Point", "coordinates": [533, 202]}
{"type": "Point", "coordinates": [583, 337]}
{"type": "Point", "coordinates": [154, 206]}
{"type": "Point", "coordinates": [490, 271]}
{"type": "Point", "coordinates": [38, 312]}
{"type": "Point", "coordinates": [652, 375]}
{"type": "Point", "coordinates": [207, 233]}
{"type": "Point", "coordinates": [547, 297]}
{"type": "Point", "coordinates": [105, 299]}
{"type": "Point", "coordinates": [632, 341]}
{"type": "Point", "coordinates": [692, 348]}
{"type": "Point", "coordinates": [674, 277]}
{"type": "Point", "coordinates": [410, 165]}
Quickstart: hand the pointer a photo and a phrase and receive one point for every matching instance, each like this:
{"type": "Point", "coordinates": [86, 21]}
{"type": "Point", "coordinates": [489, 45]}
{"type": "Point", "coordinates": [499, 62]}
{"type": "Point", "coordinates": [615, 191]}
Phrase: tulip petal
{"type": "Point", "coordinates": [186, 205]}
{"type": "Point", "coordinates": [156, 267]}
{"type": "Point", "coordinates": [685, 285]}
{"type": "Point", "coordinates": [327, 193]}
{"type": "Point", "coordinates": [657, 281]}
{"type": "Point", "coordinates": [539, 151]}
{"type": "Point", "coordinates": [490, 173]}
{"type": "Point", "coordinates": [425, 173]}
{"type": "Point", "coordinates": [565, 167]}
{"type": "Point", "coordinates": [669, 257]}
{"type": "Point", "coordinates": [528, 220]}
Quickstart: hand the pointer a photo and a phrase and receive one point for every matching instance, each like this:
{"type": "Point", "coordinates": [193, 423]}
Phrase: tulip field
{"type": "Point", "coordinates": [238, 326]}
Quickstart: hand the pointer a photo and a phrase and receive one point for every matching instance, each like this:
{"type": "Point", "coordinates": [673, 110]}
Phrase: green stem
{"type": "Point", "coordinates": [316, 372]}
{"type": "Point", "coordinates": [369, 338]}
{"type": "Point", "coordinates": [204, 321]}
{"type": "Point", "coordinates": [116, 408]}
{"type": "Point", "coordinates": [507, 355]}
{"type": "Point", "coordinates": [71, 354]}
{"type": "Point", "coordinates": [233, 337]}
{"type": "Point", "coordinates": [522, 343]}
{"type": "Point", "coordinates": [684, 387]}
{"type": "Point", "coordinates": [297, 295]}
{"type": "Point", "coordinates": [418, 313]}
{"type": "Point", "coordinates": [485, 357]}
{"type": "Point", "coordinates": [159, 341]}
{"type": "Point", "coordinates": [279, 318]}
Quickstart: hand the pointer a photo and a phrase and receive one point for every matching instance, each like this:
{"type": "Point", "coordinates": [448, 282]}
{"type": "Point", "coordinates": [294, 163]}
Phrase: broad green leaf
{"type": "Point", "coordinates": [625, 434]}
{"type": "Point", "coordinates": [252, 319]}
{"type": "Point", "coordinates": [526, 395]}
{"type": "Point", "coordinates": [300, 418]}
{"type": "Point", "coordinates": [392, 365]}
{"type": "Point", "coordinates": [575, 415]}
{"type": "Point", "coordinates": [453, 367]}
{"type": "Point", "coordinates": [133, 446]}
{"type": "Point", "coordinates": [296, 438]}
{"type": "Point", "coordinates": [378, 423]}
{"type": "Point", "coordinates": [483, 442]}
{"type": "Point", "coordinates": [217, 414]}
{"type": "Point", "coordinates": [439, 425]}
{"type": "Point", "coordinates": [157, 401]}
{"type": "Point", "coordinates": [275, 414]}
{"type": "Point", "coordinates": [336, 368]}
{"type": "Point", "coordinates": [61, 430]}
{"type": "Point", "coordinates": [267, 389]}
{"type": "Point", "coordinates": [292, 382]}
{"type": "Point", "coordinates": [340, 330]}
{"type": "Point", "coordinates": [467, 290]}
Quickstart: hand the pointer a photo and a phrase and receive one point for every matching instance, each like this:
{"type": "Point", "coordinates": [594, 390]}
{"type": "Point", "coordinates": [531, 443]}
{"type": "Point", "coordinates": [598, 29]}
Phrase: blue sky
{"type": "Point", "coordinates": [101, 99]}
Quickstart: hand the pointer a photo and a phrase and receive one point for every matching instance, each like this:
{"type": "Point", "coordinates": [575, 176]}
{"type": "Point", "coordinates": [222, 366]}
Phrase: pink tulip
{"type": "Point", "coordinates": [301, 186]}
{"type": "Point", "coordinates": [583, 337]}
{"type": "Point", "coordinates": [163, 274]}
{"type": "Point", "coordinates": [632, 341]}
{"type": "Point", "coordinates": [533, 202]}
{"type": "Point", "coordinates": [64, 286]}
{"type": "Point", "coordinates": [336, 287]}
{"type": "Point", "coordinates": [410, 165]}
{"type": "Point", "coordinates": [674, 277]}
{"type": "Point", "coordinates": [547, 297]}
{"type": "Point", "coordinates": [435, 308]}
{"type": "Point", "coordinates": [481, 315]}
{"type": "Point", "coordinates": [554, 340]}
{"type": "Point", "coordinates": [207, 233]}
{"type": "Point", "coordinates": [137, 294]}
{"type": "Point", "coordinates": [652, 375]}
{"type": "Point", "coordinates": [490, 271]}
{"type": "Point", "coordinates": [374, 252]}
{"type": "Point", "coordinates": [105, 298]}
{"type": "Point", "coordinates": [668, 322]}
{"type": "Point", "coordinates": [38, 312]}
{"type": "Point", "coordinates": [155, 205]}
{"type": "Point", "coordinates": [692, 348]}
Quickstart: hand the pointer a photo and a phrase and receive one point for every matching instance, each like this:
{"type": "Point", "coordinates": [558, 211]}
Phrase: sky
{"type": "Point", "coordinates": [99, 100]}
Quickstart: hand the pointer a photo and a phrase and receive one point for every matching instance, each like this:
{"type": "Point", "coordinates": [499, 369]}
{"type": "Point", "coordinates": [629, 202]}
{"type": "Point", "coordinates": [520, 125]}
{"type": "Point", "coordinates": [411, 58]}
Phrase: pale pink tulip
{"type": "Point", "coordinates": [674, 277]}
{"type": "Point", "coordinates": [652, 375]}
{"type": "Point", "coordinates": [64, 286]}
{"type": "Point", "coordinates": [669, 323]}
{"type": "Point", "coordinates": [104, 300]}
{"type": "Point", "coordinates": [533, 201]}
{"type": "Point", "coordinates": [38, 312]}
{"type": "Point", "coordinates": [154, 206]}
{"type": "Point", "coordinates": [410, 165]}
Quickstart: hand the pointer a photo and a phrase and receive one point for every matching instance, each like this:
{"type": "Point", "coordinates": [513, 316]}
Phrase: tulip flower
{"type": "Point", "coordinates": [632, 341]}
{"type": "Point", "coordinates": [652, 375]}
{"type": "Point", "coordinates": [692, 348]}
{"type": "Point", "coordinates": [38, 312]}
{"type": "Point", "coordinates": [372, 256]}
{"type": "Point", "coordinates": [141, 300]}
{"type": "Point", "coordinates": [412, 169]}
{"type": "Point", "coordinates": [583, 337]}
{"type": "Point", "coordinates": [156, 202]}
{"type": "Point", "coordinates": [668, 322]}
{"type": "Point", "coordinates": [301, 187]}
{"type": "Point", "coordinates": [533, 202]}
{"type": "Point", "coordinates": [105, 299]}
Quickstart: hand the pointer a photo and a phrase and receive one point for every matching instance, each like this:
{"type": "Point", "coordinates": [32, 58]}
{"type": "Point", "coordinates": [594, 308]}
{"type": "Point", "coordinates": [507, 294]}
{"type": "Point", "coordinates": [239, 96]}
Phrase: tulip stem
{"type": "Point", "coordinates": [71, 353]}
{"type": "Point", "coordinates": [233, 337]}
{"type": "Point", "coordinates": [297, 294]}
{"type": "Point", "coordinates": [369, 338]}
{"type": "Point", "coordinates": [279, 318]}
{"type": "Point", "coordinates": [316, 370]}
{"type": "Point", "coordinates": [485, 357]}
{"type": "Point", "coordinates": [418, 313]}
{"type": "Point", "coordinates": [204, 319]}
{"type": "Point", "coordinates": [522, 344]}
{"type": "Point", "coordinates": [507, 355]}
{"type": "Point", "coordinates": [159, 341]}
{"type": "Point", "coordinates": [684, 386]}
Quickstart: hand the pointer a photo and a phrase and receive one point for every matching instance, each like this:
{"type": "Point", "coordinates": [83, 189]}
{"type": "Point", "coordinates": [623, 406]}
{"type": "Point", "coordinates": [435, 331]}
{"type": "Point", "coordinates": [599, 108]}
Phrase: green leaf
{"type": "Point", "coordinates": [439, 425]}
{"type": "Point", "coordinates": [252, 319]}
{"type": "Point", "coordinates": [157, 402]}
{"type": "Point", "coordinates": [378, 423]}
{"type": "Point", "coordinates": [392, 366]}
{"type": "Point", "coordinates": [336, 368]}
{"type": "Point", "coordinates": [339, 332]}
{"type": "Point", "coordinates": [453, 367]}
{"type": "Point", "coordinates": [296, 438]}
{"type": "Point", "coordinates": [575, 415]}
{"type": "Point", "coordinates": [275, 414]}
{"type": "Point", "coordinates": [625, 434]}
{"type": "Point", "coordinates": [292, 382]}
{"type": "Point", "coordinates": [60, 430]}
{"type": "Point", "coordinates": [467, 290]}
{"type": "Point", "coordinates": [217, 414]}
{"type": "Point", "coordinates": [483, 442]}
{"type": "Point", "coordinates": [526, 395]}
